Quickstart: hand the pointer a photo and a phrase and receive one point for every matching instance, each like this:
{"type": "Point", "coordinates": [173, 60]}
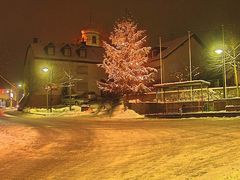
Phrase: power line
{"type": "Point", "coordinates": [7, 81]}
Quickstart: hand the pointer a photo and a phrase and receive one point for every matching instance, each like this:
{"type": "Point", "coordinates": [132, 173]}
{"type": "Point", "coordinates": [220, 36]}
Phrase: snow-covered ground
{"type": "Point", "coordinates": [107, 148]}
{"type": "Point", "coordinates": [117, 112]}
{"type": "Point", "coordinates": [15, 138]}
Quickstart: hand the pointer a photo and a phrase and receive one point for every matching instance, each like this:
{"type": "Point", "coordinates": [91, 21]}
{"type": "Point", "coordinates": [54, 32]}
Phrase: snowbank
{"type": "Point", "coordinates": [120, 112]}
{"type": "Point", "coordinates": [95, 110]}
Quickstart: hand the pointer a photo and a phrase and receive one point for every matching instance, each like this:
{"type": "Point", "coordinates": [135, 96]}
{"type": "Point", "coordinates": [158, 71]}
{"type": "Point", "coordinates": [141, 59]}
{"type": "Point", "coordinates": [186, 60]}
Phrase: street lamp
{"type": "Point", "coordinates": [232, 58]}
{"type": "Point", "coordinates": [46, 70]}
{"type": "Point", "coordinates": [19, 93]}
{"type": "Point", "coordinates": [221, 52]}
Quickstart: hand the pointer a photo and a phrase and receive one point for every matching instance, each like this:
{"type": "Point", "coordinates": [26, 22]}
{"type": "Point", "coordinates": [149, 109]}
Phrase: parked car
{"type": "Point", "coordinates": [79, 99]}
{"type": "Point", "coordinates": [91, 96]}
{"type": "Point", "coordinates": [74, 100]}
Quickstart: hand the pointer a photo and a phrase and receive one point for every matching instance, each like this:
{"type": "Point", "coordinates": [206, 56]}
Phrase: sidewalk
{"type": "Point", "coordinates": [195, 114]}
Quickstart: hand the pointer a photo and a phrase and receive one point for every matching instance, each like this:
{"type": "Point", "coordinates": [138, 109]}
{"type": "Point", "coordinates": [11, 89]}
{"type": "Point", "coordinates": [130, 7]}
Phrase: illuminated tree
{"type": "Point", "coordinates": [125, 60]}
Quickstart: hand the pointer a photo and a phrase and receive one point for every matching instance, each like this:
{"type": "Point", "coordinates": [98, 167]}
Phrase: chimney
{"type": "Point", "coordinates": [35, 40]}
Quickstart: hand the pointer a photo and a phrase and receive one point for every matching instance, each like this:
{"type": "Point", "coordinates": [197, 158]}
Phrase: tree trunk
{"type": "Point", "coordinates": [125, 101]}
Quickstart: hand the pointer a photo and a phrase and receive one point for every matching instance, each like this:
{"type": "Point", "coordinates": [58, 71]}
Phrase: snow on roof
{"type": "Point", "coordinates": [93, 54]}
{"type": "Point", "coordinates": [170, 46]}
{"type": "Point", "coordinates": [183, 84]}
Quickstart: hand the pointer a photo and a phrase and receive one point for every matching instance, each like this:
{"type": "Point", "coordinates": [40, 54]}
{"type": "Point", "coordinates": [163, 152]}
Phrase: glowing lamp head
{"type": "Point", "coordinates": [45, 69]}
{"type": "Point", "coordinates": [218, 51]}
{"type": "Point", "coordinates": [19, 85]}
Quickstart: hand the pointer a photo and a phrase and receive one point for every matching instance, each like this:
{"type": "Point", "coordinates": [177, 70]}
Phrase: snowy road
{"type": "Point", "coordinates": [81, 148]}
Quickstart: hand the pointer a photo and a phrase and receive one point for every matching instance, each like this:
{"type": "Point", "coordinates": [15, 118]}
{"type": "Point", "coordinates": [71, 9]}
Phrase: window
{"type": "Point", "coordinates": [83, 53]}
{"type": "Point", "coordinates": [82, 70]}
{"type": "Point", "coordinates": [50, 49]}
{"type": "Point", "coordinates": [67, 51]}
{"type": "Point", "coordinates": [94, 40]}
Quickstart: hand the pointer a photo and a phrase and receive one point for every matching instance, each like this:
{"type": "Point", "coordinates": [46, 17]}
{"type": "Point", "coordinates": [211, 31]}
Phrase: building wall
{"type": "Point", "coordinates": [179, 60]}
{"type": "Point", "coordinates": [83, 72]}
{"type": "Point", "coordinates": [36, 80]}
{"type": "Point", "coordinates": [175, 62]}
{"type": "Point", "coordinates": [28, 71]}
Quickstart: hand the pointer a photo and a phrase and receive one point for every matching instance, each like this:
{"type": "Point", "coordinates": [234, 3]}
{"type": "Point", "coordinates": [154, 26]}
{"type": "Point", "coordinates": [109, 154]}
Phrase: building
{"type": "Point", "coordinates": [175, 59]}
{"type": "Point", "coordinates": [9, 93]}
{"type": "Point", "coordinates": [80, 60]}
{"type": "Point", "coordinates": [51, 68]}
{"type": "Point", "coordinates": [4, 95]}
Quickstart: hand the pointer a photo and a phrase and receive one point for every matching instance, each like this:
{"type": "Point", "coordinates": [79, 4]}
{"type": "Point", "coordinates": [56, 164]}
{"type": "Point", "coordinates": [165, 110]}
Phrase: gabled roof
{"type": "Point", "coordinates": [170, 46]}
{"type": "Point", "coordinates": [93, 54]}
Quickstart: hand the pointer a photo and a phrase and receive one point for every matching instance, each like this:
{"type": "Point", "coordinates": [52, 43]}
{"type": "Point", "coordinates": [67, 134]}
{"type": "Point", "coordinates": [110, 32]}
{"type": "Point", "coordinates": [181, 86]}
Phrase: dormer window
{"type": "Point", "coordinates": [94, 40]}
{"type": "Point", "coordinates": [66, 50]}
{"type": "Point", "coordinates": [83, 53]}
{"type": "Point", "coordinates": [50, 49]}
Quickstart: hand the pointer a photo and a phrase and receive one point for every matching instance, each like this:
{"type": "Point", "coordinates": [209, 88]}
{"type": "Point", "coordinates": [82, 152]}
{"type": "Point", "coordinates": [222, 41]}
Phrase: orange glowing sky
{"type": "Point", "coordinates": [61, 21]}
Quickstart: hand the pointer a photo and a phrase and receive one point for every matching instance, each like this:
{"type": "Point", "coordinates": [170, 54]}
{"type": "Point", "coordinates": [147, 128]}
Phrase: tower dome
{"type": "Point", "coordinates": [91, 37]}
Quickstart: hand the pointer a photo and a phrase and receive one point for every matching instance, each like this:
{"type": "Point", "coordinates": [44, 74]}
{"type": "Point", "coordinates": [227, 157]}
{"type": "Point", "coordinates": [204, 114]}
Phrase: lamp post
{"type": "Point", "coordinates": [221, 52]}
{"type": "Point", "coordinates": [19, 93]}
{"type": "Point", "coordinates": [49, 87]}
{"type": "Point", "coordinates": [232, 55]}
{"type": "Point", "coordinates": [11, 98]}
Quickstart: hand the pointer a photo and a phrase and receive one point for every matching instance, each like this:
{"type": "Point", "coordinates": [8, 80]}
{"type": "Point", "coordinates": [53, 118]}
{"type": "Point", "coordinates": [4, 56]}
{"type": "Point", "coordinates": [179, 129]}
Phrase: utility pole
{"type": "Point", "coordinates": [233, 58]}
{"type": "Point", "coordinates": [190, 61]}
{"type": "Point", "coordinates": [190, 55]}
{"type": "Point", "coordinates": [47, 89]}
{"type": "Point", "coordinates": [70, 91]}
{"type": "Point", "coordinates": [161, 66]}
{"type": "Point", "coordinates": [51, 87]}
{"type": "Point", "coordinates": [224, 65]}
{"type": "Point", "coordinates": [160, 60]}
{"type": "Point", "coordinates": [235, 71]}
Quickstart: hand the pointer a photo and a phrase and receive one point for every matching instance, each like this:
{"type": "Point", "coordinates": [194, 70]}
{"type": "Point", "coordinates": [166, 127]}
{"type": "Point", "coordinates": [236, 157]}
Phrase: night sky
{"type": "Point", "coordinates": [62, 20]}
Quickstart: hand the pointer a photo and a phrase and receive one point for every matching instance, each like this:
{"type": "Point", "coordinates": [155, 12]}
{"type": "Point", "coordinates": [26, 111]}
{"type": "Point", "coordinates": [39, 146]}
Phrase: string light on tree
{"type": "Point", "coordinates": [125, 60]}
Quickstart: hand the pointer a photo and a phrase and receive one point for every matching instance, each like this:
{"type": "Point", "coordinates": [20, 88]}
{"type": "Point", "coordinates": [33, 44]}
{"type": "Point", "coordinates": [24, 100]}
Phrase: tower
{"type": "Point", "coordinates": [91, 37]}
